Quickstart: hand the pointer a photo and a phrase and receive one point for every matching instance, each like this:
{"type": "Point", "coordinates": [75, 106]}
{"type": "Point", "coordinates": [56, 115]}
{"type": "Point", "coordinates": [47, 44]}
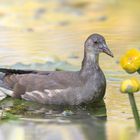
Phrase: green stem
{"type": "Point", "coordinates": [134, 110]}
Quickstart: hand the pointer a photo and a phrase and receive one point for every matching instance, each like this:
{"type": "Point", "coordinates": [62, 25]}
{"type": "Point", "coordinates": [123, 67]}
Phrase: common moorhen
{"type": "Point", "coordinates": [61, 87]}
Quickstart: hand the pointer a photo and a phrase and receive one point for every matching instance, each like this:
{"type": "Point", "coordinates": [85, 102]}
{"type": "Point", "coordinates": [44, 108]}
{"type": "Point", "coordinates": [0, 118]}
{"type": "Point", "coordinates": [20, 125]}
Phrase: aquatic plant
{"type": "Point", "coordinates": [130, 62]}
{"type": "Point", "coordinates": [130, 85]}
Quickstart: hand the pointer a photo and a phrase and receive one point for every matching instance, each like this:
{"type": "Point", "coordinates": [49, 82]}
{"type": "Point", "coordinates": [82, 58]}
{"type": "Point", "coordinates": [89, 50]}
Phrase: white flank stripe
{"type": "Point", "coordinates": [38, 92]}
{"type": "Point", "coordinates": [2, 95]}
{"type": "Point", "coordinates": [49, 92]}
{"type": "Point", "coordinates": [34, 93]}
{"type": "Point", "coordinates": [6, 91]}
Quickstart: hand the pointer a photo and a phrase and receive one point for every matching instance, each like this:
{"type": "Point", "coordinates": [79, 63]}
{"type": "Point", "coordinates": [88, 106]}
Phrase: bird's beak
{"type": "Point", "coordinates": [106, 50]}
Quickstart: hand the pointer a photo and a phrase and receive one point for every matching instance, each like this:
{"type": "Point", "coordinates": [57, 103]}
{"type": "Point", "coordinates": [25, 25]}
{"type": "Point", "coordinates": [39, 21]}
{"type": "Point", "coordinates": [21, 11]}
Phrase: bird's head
{"type": "Point", "coordinates": [96, 43]}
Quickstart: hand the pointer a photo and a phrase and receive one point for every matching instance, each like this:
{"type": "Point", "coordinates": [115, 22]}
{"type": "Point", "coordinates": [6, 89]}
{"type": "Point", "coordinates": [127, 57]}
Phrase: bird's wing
{"type": "Point", "coordinates": [21, 83]}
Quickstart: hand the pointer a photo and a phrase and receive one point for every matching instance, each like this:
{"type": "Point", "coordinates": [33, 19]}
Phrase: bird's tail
{"type": "Point", "coordinates": [14, 71]}
{"type": "Point", "coordinates": [4, 90]}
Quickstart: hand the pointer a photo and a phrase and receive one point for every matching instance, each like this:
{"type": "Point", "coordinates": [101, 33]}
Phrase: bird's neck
{"type": "Point", "coordinates": [90, 62]}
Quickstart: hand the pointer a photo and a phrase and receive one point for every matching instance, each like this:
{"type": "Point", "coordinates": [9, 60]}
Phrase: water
{"type": "Point", "coordinates": [57, 34]}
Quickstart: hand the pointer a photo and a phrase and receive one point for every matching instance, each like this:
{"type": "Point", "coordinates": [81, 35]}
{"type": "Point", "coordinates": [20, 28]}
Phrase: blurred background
{"type": "Point", "coordinates": [49, 35]}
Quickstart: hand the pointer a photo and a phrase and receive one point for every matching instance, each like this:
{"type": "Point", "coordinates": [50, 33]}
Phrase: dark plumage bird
{"type": "Point", "coordinates": [61, 87]}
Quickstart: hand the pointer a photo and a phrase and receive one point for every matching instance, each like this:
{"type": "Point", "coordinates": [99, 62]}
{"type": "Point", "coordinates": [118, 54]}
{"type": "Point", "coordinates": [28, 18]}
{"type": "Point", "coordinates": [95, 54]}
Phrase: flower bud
{"type": "Point", "coordinates": [130, 85]}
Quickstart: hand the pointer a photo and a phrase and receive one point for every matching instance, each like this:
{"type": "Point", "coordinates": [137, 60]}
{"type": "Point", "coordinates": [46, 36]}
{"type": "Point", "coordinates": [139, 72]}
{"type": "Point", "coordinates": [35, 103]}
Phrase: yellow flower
{"type": "Point", "coordinates": [131, 61]}
{"type": "Point", "coordinates": [130, 85]}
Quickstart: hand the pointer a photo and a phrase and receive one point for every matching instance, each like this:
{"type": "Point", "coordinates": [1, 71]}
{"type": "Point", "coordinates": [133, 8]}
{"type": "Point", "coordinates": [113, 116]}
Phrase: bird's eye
{"type": "Point", "coordinates": [95, 42]}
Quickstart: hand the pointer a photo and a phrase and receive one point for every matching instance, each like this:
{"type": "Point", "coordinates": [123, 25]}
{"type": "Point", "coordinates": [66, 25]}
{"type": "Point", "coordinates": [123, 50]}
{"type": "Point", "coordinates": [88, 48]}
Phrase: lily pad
{"type": "Point", "coordinates": [62, 65]}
